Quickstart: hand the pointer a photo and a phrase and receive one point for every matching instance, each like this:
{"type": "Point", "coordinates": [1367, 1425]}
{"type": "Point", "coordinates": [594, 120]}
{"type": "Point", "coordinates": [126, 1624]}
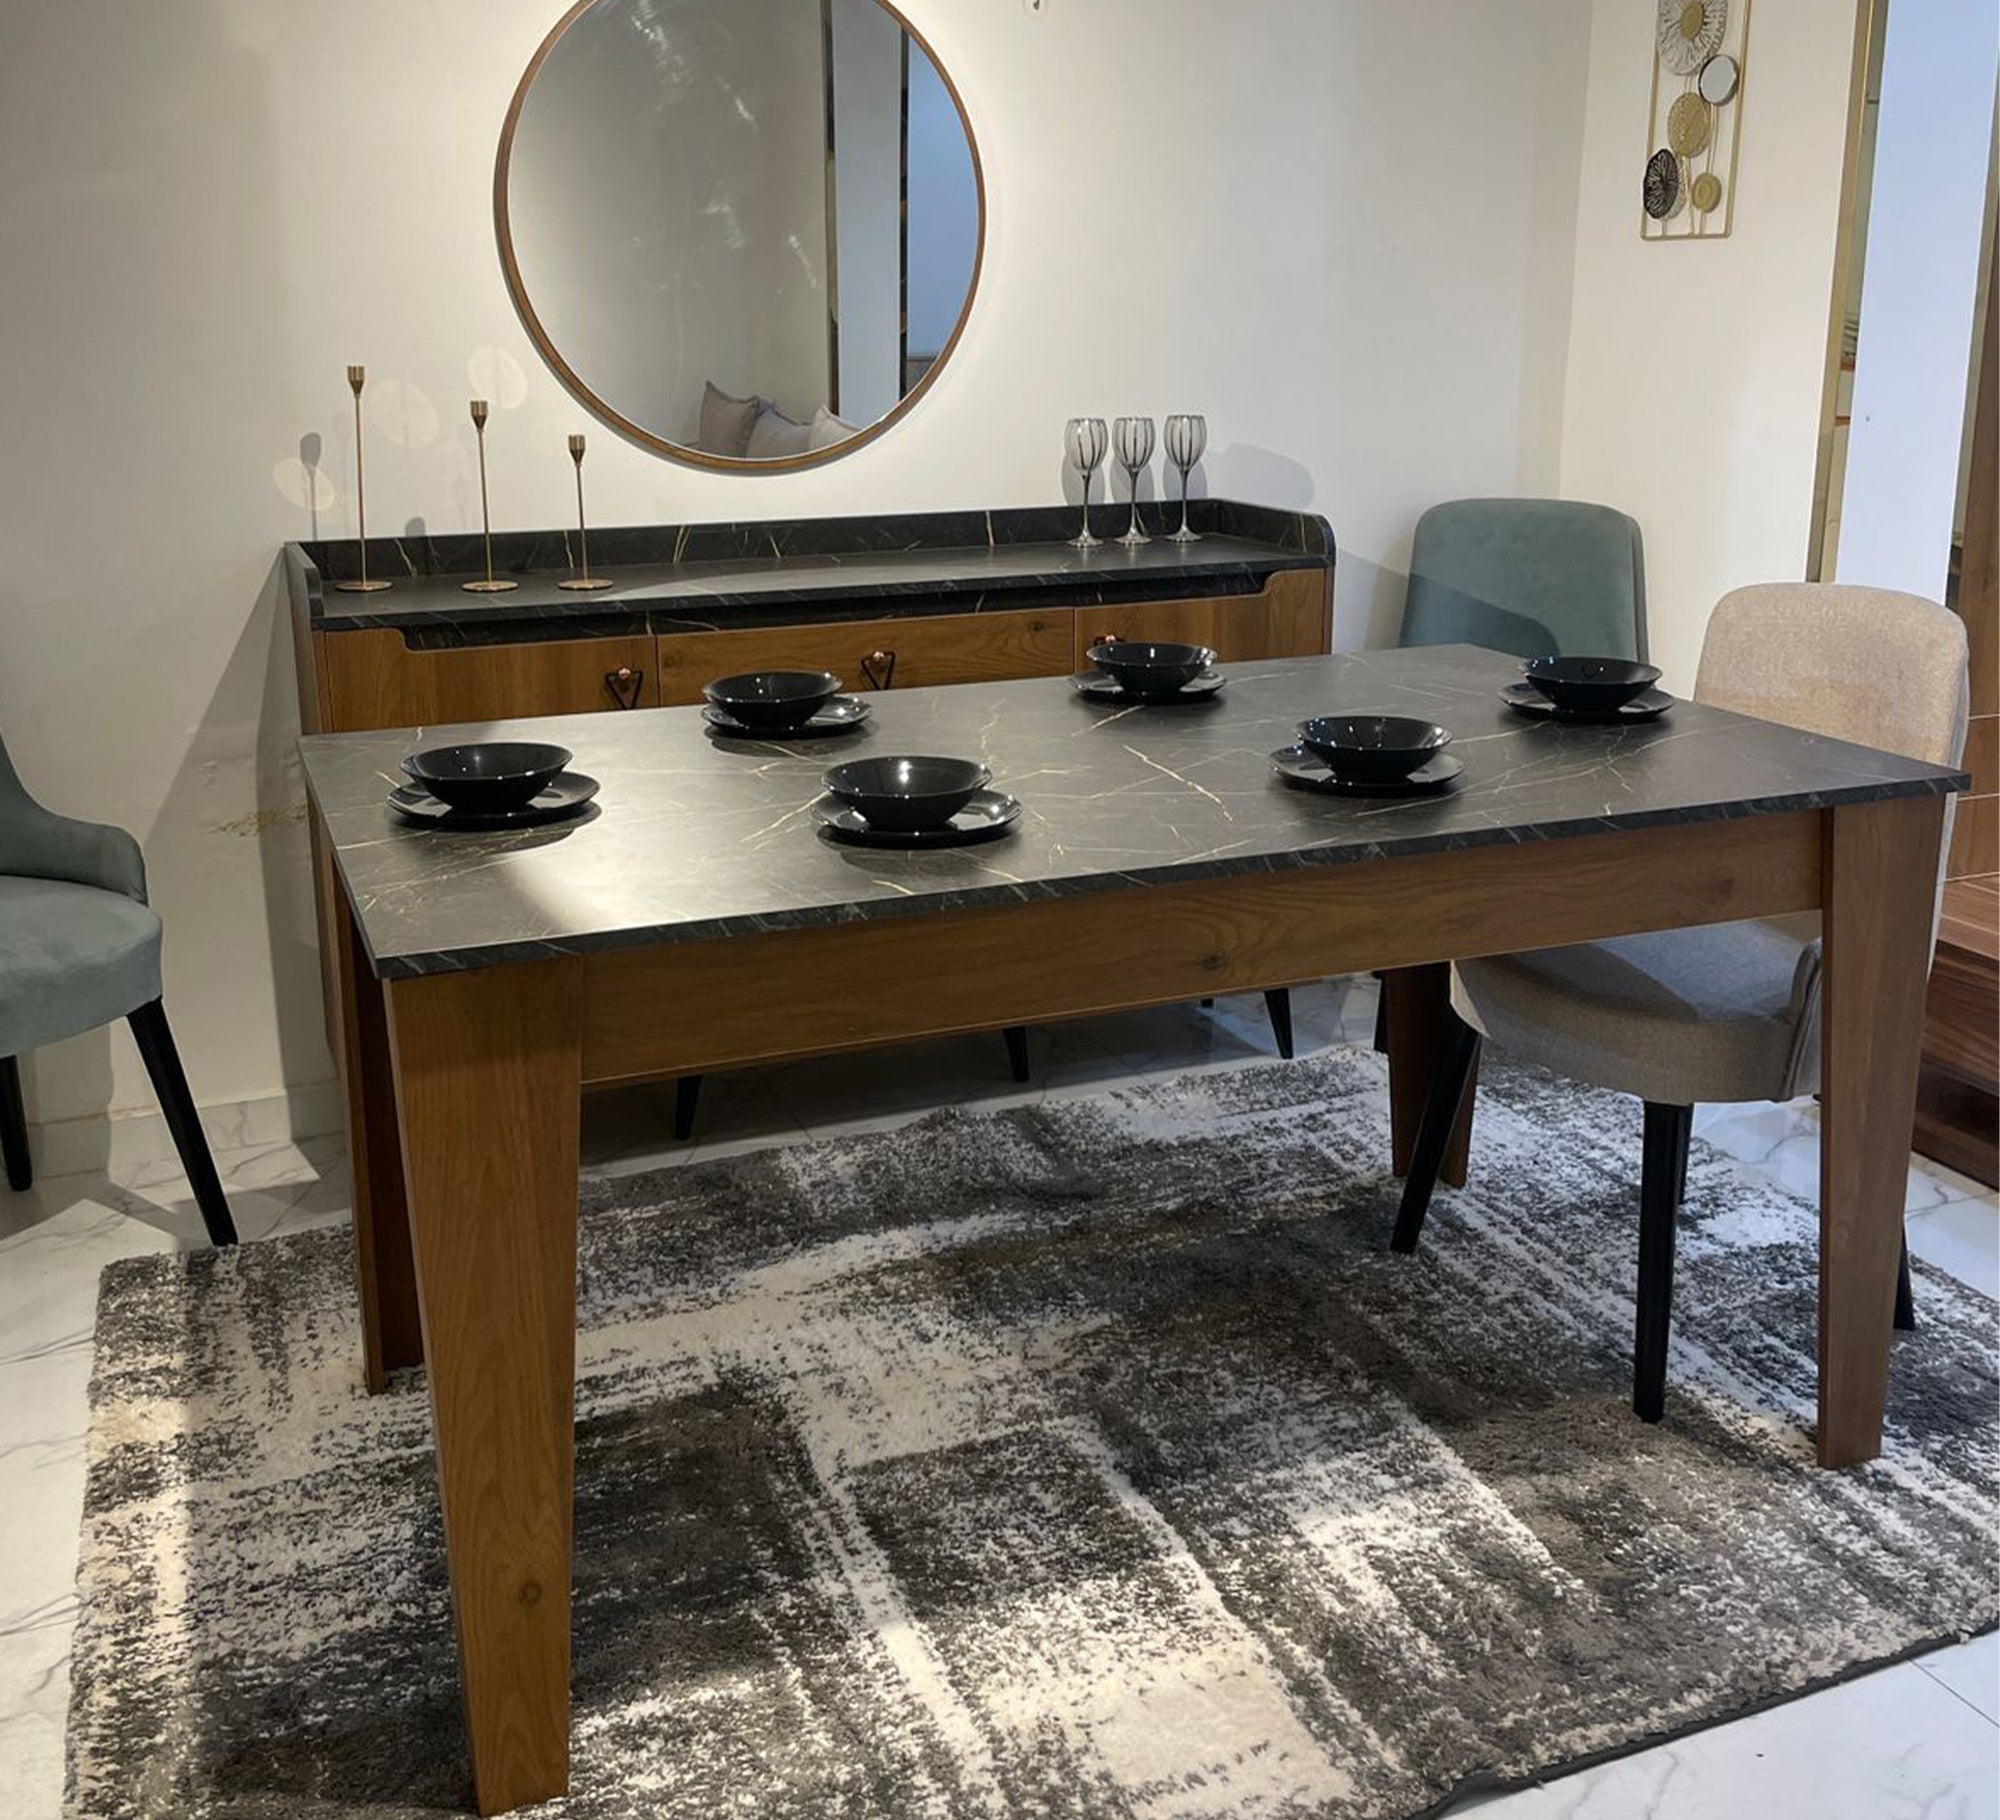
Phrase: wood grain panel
{"type": "Point", "coordinates": [946, 648]}
{"type": "Point", "coordinates": [384, 1270]}
{"type": "Point", "coordinates": [1291, 617]}
{"type": "Point", "coordinates": [801, 992]}
{"type": "Point", "coordinates": [487, 1090]}
{"type": "Point", "coordinates": [372, 679]}
{"type": "Point", "coordinates": [1881, 859]}
{"type": "Point", "coordinates": [1982, 753]}
{"type": "Point", "coordinates": [1975, 838]}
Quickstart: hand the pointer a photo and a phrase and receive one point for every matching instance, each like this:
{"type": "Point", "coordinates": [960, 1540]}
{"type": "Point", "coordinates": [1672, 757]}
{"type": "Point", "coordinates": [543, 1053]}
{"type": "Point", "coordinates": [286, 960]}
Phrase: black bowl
{"type": "Point", "coordinates": [1372, 748]}
{"type": "Point", "coordinates": [907, 795]}
{"type": "Point", "coordinates": [773, 698]}
{"type": "Point", "coordinates": [491, 776]}
{"type": "Point", "coordinates": [1150, 669]}
{"type": "Point", "coordinates": [1596, 683]}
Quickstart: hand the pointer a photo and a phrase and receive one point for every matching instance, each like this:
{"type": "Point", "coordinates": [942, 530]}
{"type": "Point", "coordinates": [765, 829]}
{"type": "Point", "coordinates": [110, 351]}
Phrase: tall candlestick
{"type": "Point", "coordinates": [581, 580]}
{"type": "Point", "coordinates": [489, 585]}
{"type": "Point", "coordinates": [357, 377]}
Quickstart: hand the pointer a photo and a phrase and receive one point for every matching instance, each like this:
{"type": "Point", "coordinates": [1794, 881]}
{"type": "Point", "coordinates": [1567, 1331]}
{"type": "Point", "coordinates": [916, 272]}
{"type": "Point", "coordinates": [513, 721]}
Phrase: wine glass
{"type": "Point", "coordinates": [1132, 438]}
{"type": "Point", "coordinates": [1187, 437]}
{"type": "Point", "coordinates": [1085, 441]}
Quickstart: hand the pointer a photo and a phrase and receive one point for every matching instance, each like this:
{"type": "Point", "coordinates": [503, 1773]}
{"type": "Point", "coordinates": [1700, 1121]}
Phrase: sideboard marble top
{"type": "Point", "coordinates": [694, 837]}
{"type": "Point", "coordinates": [699, 577]}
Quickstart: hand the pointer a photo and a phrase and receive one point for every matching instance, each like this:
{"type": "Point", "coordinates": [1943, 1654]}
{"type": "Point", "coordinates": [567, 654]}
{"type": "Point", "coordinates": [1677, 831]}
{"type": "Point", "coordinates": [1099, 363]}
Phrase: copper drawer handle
{"type": "Point", "coordinates": [880, 669]}
{"type": "Point", "coordinates": [624, 684]}
{"type": "Point", "coordinates": [1102, 639]}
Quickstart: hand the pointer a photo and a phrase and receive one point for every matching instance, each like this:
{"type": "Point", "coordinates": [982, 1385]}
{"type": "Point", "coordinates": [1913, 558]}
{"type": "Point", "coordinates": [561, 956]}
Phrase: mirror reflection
{"type": "Point", "coordinates": [742, 230]}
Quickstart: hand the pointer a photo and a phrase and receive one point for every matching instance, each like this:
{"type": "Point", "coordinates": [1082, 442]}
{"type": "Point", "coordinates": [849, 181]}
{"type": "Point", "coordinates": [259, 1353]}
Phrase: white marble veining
{"type": "Point", "coordinates": [1921, 1739]}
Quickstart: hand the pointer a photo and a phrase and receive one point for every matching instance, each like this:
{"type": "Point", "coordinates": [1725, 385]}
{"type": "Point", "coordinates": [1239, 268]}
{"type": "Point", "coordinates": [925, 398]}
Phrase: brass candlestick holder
{"type": "Point", "coordinates": [582, 580]}
{"type": "Point", "coordinates": [489, 585]}
{"type": "Point", "coordinates": [357, 377]}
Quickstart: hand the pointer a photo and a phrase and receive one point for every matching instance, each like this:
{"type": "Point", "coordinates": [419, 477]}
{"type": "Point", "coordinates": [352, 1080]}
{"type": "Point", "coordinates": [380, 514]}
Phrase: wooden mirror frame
{"type": "Point", "coordinates": [660, 445]}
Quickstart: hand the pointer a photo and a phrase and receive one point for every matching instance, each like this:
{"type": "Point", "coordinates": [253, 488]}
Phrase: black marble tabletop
{"type": "Point", "coordinates": [668, 578]}
{"type": "Point", "coordinates": [694, 836]}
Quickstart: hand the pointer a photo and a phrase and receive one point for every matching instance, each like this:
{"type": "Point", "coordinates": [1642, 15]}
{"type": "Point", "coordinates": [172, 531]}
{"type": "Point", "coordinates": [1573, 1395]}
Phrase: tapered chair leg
{"type": "Point", "coordinates": [1665, 1145]}
{"type": "Point", "coordinates": [1278, 1008]}
{"type": "Point", "coordinates": [1906, 1301]}
{"type": "Point", "coordinates": [687, 1096]}
{"type": "Point", "coordinates": [1681, 1161]}
{"type": "Point", "coordinates": [1457, 1056]}
{"type": "Point", "coordinates": [163, 1064]}
{"type": "Point", "coordinates": [14, 1126]}
{"type": "Point", "coordinates": [1016, 1037]}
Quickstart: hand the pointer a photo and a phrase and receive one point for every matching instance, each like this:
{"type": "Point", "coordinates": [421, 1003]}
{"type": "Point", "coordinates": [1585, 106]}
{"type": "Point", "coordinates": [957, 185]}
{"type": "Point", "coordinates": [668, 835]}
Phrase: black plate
{"type": "Point", "coordinates": [990, 814]}
{"type": "Point", "coordinates": [1527, 699]}
{"type": "Point", "coordinates": [562, 799]}
{"type": "Point", "coordinates": [1298, 766]}
{"type": "Point", "coordinates": [1094, 685]}
{"type": "Point", "coordinates": [841, 715]}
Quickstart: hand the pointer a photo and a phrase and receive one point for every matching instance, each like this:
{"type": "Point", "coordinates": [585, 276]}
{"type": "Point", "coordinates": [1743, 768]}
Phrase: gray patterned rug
{"type": "Point", "coordinates": [1089, 1460]}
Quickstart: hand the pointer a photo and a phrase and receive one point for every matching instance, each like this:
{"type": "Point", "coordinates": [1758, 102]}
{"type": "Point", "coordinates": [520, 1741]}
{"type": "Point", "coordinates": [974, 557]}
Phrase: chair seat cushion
{"type": "Point", "coordinates": [1680, 1018]}
{"type": "Point", "coordinates": [71, 958]}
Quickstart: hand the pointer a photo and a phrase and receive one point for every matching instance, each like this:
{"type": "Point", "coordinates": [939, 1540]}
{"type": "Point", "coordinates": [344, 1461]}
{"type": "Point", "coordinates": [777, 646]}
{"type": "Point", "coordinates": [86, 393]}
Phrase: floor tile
{"type": "Point", "coordinates": [1971, 1671]}
{"type": "Point", "coordinates": [1890, 1745]}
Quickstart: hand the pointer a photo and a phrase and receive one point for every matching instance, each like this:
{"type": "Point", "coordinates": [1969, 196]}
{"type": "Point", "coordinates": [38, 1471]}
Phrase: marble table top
{"type": "Point", "coordinates": [737, 591]}
{"type": "Point", "coordinates": [694, 836]}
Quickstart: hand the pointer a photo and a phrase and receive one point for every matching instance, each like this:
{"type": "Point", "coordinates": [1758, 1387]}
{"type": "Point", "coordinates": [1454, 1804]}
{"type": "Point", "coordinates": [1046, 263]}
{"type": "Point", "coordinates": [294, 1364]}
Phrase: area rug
{"type": "Point", "coordinates": [1091, 1459]}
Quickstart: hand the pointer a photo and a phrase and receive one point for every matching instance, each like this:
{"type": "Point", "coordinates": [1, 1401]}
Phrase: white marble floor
{"type": "Point", "coordinates": [1920, 1740]}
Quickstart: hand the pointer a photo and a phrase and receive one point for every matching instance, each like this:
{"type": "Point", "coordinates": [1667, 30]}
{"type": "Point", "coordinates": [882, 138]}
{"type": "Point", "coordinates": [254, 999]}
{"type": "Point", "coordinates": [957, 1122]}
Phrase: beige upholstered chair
{"type": "Point", "coordinates": [1729, 1012]}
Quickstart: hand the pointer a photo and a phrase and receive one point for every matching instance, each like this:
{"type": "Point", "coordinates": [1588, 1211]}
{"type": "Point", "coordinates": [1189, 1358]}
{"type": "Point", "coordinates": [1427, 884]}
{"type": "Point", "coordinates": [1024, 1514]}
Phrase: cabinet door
{"type": "Point", "coordinates": [1288, 618]}
{"type": "Point", "coordinates": [876, 653]}
{"type": "Point", "coordinates": [374, 680]}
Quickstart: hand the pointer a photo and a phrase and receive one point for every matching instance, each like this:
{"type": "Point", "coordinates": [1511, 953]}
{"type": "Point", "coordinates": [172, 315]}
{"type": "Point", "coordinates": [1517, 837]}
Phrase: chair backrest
{"type": "Point", "coordinates": [1869, 665]}
{"type": "Point", "coordinates": [1530, 576]}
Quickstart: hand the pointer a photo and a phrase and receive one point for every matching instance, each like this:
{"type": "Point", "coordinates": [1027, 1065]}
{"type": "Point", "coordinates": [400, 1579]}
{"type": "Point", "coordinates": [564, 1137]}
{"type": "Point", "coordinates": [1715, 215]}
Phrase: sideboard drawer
{"type": "Point", "coordinates": [1289, 618]}
{"type": "Point", "coordinates": [876, 653]}
{"type": "Point", "coordinates": [373, 679]}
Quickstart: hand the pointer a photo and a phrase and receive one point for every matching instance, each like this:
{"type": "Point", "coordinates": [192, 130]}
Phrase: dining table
{"type": "Point", "coordinates": [696, 918]}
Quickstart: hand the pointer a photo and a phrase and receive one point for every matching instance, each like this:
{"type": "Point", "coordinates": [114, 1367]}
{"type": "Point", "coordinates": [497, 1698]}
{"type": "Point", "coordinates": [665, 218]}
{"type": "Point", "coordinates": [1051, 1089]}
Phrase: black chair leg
{"type": "Point", "coordinates": [1208, 1004]}
{"type": "Point", "coordinates": [1278, 1008]}
{"type": "Point", "coordinates": [1664, 1153]}
{"type": "Point", "coordinates": [1681, 1161]}
{"type": "Point", "coordinates": [163, 1063]}
{"type": "Point", "coordinates": [14, 1126]}
{"type": "Point", "coordinates": [687, 1096]}
{"type": "Point", "coordinates": [1016, 1036]}
{"type": "Point", "coordinates": [1456, 1060]}
{"type": "Point", "coordinates": [1906, 1302]}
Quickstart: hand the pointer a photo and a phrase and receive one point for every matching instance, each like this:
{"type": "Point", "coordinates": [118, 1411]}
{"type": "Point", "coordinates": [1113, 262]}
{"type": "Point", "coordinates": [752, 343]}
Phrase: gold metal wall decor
{"type": "Point", "coordinates": [357, 377]}
{"type": "Point", "coordinates": [1688, 188]}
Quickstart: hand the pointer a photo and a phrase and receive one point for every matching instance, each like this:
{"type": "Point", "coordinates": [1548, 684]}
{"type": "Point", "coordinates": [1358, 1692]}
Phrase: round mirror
{"type": "Point", "coordinates": [745, 232]}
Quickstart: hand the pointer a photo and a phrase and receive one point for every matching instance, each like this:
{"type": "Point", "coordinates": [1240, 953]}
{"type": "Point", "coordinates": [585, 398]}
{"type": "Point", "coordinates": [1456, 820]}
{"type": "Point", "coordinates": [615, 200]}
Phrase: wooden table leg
{"type": "Point", "coordinates": [488, 1085]}
{"type": "Point", "coordinates": [391, 1334]}
{"type": "Point", "coordinates": [1878, 886]}
{"type": "Point", "coordinates": [1415, 1002]}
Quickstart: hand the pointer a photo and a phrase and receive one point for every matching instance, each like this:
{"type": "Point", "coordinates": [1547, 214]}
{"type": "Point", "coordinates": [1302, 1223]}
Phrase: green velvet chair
{"type": "Point", "coordinates": [79, 947]}
{"type": "Point", "coordinates": [1532, 576]}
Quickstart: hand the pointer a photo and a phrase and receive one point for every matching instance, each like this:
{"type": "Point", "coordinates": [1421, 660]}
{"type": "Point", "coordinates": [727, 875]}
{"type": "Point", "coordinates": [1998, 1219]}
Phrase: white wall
{"type": "Point", "coordinates": [1933, 139]}
{"type": "Point", "coordinates": [1696, 367]}
{"type": "Point", "coordinates": [1341, 228]}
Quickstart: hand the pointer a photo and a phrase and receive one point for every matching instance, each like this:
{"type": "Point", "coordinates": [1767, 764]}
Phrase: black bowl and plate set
{"type": "Point", "coordinates": [927, 801]}
{"type": "Point", "coordinates": [499, 783]}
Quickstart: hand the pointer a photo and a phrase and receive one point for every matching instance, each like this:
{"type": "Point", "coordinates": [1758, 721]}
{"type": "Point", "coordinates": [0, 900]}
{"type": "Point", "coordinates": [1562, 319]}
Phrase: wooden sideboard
{"type": "Point", "coordinates": [903, 602]}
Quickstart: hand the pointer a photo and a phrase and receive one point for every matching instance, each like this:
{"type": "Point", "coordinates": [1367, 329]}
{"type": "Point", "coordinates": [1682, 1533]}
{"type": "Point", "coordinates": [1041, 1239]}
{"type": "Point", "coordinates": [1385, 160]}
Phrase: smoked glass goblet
{"type": "Point", "coordinates": [1132, 442]}
{"type": "Point", "coordinates": [1085, 443]}
{"type": "Point", "coordinates": [1186, 439]}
